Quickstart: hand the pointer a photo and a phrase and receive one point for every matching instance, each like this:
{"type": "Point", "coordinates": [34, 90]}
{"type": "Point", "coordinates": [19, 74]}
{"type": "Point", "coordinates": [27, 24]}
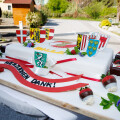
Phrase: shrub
{"type": "Point", "coordinates": [57, 6]}
{"type": "Point", "coordinates": [71, 11]}
{"type": "Point", "coordinates": [46, 11]}
{"type": "Point", "coordinates": [7, 14]}
{"type": "Point", "coordinates": [105, 23]}
{"type": "Point", "coordinates": [35, 19]}
{"type": "Point", "coordinates": [109, 11]}
{"type": "Point", "coordinates": [94, 9]}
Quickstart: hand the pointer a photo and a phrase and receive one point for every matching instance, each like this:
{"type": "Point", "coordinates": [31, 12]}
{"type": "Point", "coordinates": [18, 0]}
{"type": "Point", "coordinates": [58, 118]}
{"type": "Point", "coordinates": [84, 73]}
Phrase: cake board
{"type": "Point", "coordinates": [69, 100]}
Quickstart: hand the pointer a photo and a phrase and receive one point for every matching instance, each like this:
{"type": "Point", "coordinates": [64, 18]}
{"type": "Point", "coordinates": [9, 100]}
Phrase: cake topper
{"type": "Point", "coordinates": [39, 35]}
{"type": "Point", "coordinates": [92, 47]}
{"type": "Point", "coordinates": [82, 42]}
{"type": "Point", "coordinates": [20, 25]}
{"type": "Point", "coordinates": [103, 41]}
{"type": "Point", "coordinates": [40, 59]}
{"type": "Point", "coordinates": [92, 43]}
{"type": "Point", "coordinates": [49, 33]}
{"type": "Point", "coordinates": [21, 35]}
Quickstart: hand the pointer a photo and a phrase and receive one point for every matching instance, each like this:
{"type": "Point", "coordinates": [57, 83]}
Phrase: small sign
{"type": "Point", "coordinates": [49, 33]}
{"type": "Point", "coordinates": [82, 42]}
{"type": "Point", "coordinates": [92, 47]}
{"type": "Point", "coordinates": [39, 35]}
{"type": "Point", "coordinates": [21, 35]}
{"type": "Point", "coordinates": [103, 41]}
{"type": "Point", "coordinates": [40, 59]}
{"type": "Point", "coordinates": [20, 25]}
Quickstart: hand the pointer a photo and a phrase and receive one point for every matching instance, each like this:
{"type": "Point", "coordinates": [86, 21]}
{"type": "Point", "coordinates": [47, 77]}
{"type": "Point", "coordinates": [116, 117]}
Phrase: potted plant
{"type": "Point", "coordinates": [34, 21]}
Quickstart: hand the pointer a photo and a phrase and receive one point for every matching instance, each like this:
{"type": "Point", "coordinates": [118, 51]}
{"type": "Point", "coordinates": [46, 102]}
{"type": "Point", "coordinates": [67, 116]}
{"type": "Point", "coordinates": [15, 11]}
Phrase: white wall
{"type": "Point", "coordinates": [4, 6]}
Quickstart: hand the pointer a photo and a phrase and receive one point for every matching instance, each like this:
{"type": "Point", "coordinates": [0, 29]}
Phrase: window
{"type": "Point", "coordinates": [9, 7]}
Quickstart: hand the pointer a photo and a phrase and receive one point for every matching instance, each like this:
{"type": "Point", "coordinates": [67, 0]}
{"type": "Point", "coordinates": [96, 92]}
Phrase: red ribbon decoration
{"type": "Point", "coordinates": [37, 87]}
{"type": "Point", "coordinates": [33, 75]}
{"type": "Point", "coordinates": [93, 79]}
{"type": "Point", "coordinates": [27, 64]}
{"type": "Point", "coordinates": [66, 60]}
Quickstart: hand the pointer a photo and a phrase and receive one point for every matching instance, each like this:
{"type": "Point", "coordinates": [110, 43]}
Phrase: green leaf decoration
{"type": "Point", "coordinates": [107, 106]}
{"type": "Point", "coordinates": [29, 41]}
{"type": "Point", "coordinates": [68, 52]}
{"type": "Point", "coordinates": [113, 98]}
{"type": "Point", "coordinates": [118, 108]}
{"type": "Point", "coordinates": [25, 44]}
{"type": "Point", "coordinates": [76, 50]}
{"type": "Point", "coordinates": [108, 73]}
{"type": "Point", "coordinates": [45, 67]}
{"type": "Point", "coordinates": [105, 103]}
{"type": "Point", "coordinates": [84, 53]}
{"type": "Point", "coordinates": [102, 76]}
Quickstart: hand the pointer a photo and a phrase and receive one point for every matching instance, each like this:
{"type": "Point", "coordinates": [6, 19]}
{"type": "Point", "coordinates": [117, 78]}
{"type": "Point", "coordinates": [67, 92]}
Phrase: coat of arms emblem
{"type": "Point", "coordinates": [40, 59]}
{"type": "Point", "coordinates": [92, 47]}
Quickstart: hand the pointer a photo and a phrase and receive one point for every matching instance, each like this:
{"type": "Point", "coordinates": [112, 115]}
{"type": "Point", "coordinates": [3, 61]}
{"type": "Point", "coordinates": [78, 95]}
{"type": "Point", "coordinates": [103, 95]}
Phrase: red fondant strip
{"type": "Point", "coordinates": [27, 64]}
{"type": "Point", "coordinates": [66, 60]}
{"type": "Point", "coordinates": [40, 88]}
{"type": "Point", "coordinates": [55, 73]}
{"type": "Point", "coordinates": [66, 46]}
{"type": "Point", "coordinates": [93, 79]}
{"type": "Point", "coordinates": [33, 75]}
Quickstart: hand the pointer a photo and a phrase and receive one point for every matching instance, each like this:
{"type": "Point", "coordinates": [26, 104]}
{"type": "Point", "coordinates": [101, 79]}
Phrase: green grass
{"type": "Point", "coordinates": [71, 18]}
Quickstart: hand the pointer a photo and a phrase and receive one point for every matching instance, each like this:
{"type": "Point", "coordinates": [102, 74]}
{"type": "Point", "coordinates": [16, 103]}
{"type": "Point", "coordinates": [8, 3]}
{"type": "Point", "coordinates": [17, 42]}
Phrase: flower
{"type": "Point", "coordinates": [29, 45]}
{"type": "Point", "coordinates": [82, 55]}
{"type": "Point", "coordinates": [118, 103]}
{"type": "Point", "coordinates": [34, 19]}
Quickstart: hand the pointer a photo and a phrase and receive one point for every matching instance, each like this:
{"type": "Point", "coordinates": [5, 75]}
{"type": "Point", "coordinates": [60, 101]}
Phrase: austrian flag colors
{"type": "Point", "coordinates": [21, 35]}
{"type": "Point", "coordinates": [49, 33]}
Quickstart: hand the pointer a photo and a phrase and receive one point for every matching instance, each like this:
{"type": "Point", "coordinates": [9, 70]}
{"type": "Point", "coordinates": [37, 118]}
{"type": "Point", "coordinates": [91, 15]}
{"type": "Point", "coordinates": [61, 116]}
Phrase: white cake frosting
{"type": "Point", "coordinates": [89, 66]}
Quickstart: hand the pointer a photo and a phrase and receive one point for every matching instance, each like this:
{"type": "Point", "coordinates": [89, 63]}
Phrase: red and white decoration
{"type": "Point", "coordinates": [21, 35]}
{"type": "Point", "coordinates": [103, 41]}
{"type": "Point", "coordinates": [51, 34]}
{"type": "Point", "coordinates": [42, 35]}
{"type": "Point", "coordinates": [83, 43]}
{"type": "Point", "coordinates": [63, 44]}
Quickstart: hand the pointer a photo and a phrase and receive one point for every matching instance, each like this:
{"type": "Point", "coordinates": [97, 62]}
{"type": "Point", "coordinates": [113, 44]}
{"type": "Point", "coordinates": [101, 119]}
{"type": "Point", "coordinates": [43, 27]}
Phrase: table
{"type": "Point", "coordinates": [67, 100]}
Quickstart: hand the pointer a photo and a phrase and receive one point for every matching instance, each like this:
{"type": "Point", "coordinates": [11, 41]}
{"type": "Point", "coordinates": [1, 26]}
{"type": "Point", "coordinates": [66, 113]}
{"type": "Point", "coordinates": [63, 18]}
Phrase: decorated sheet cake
{"type": "Point", "coordinates": [61, 66]}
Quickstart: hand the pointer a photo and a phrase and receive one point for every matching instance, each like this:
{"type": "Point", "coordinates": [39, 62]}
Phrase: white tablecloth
{"type": "Point", "coordinates": [29, 105]}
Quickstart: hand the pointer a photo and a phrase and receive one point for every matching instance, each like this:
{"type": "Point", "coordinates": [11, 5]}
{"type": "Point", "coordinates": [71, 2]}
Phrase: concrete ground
{"type": "Point", "coordinates": [67, 29]}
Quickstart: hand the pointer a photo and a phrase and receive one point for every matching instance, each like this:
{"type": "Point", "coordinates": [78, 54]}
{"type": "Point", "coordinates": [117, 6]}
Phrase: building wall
{"type": "Point", "coordinates": [19, 13]}
{"type": "Point", "coordinates": [5, 6]}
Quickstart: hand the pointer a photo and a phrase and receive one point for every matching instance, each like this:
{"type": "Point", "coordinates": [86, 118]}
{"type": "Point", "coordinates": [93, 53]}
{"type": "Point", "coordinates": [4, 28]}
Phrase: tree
{"type": "Point", "coordinates": [118, 11]}
{"type": "Point", "coordinates": [58, 6]}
